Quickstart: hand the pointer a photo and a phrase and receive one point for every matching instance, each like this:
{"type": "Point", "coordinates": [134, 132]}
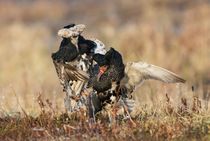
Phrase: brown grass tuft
{"type": "Point", "coordinates": [170, 34]}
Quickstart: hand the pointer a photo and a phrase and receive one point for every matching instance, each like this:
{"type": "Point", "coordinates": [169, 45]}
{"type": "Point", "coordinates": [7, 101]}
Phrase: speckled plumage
{"type": "Point", "coordinates": [114, 73]}
{"type": "Point", "coordinates": [73, 64]}
{"type": "Point", "coordinates": [109, 81]}
{"type": "Point", "coordinates": [128, 78]}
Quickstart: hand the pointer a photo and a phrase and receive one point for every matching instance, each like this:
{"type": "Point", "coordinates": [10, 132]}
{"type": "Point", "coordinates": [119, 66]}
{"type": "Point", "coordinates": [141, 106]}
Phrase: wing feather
{"type": "Point", "coordinates": [137, 72]}
{"type": "Point", "coordinates": [68, 72]}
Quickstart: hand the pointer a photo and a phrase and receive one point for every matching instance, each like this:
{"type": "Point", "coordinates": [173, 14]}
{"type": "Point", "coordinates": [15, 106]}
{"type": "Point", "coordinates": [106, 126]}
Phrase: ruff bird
{"type": "Point", "coordinates": [105, 80]}
{"type": "Point", "coordinates": [115, 82]}
{"type": "Point", "coordinates": [72, 62]}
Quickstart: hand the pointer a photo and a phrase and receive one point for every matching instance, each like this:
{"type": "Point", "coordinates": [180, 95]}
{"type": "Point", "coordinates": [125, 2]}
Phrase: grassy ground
{"type": "Point", "coordinates": [163, 123]}
{"type": "Point", "coordinates": [170, 34]}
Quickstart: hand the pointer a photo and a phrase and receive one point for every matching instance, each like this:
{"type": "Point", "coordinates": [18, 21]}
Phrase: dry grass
{"type": "Point", "coordinates": [171, 34]}
{"type": "Point", "coordinates": [166, 122]}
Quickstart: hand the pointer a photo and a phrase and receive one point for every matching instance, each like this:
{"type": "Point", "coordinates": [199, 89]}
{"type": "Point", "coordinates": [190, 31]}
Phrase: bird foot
{"type": "Point", "coordinates": [115, 112]}
{"type": "Point", "coordinates": [76, 98]}
{"type": "Point", "coordinates": [126, 109]}
{"type": "Point", "coordinates": [83, 93]}
{"type": "Point", "coordinates": [133, 123]}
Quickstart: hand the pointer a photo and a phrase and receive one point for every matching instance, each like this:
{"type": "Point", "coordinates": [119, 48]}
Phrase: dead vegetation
{"type": "Point", "coordinates": [171, 34]}
{"type": "Point", "coordinates": [163, 123]}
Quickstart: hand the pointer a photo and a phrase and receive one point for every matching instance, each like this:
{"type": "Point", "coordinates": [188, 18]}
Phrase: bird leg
{"type": "Point", "coordinates": [77, 87]}
{"type": "Point", "coordinates": [116, 109]}
{"type": "Point", "coordinates": [83, 93]}
{"type": "Point", "coordinates": [115, 112]}
{"type": "Point", "coordinates": [126, 109]}
{"type": "Point", "coordinates": [91, 107]}
{"type": "Point", "coordinates": [67, 102]}
{"type": "Point", "coordinates": [76, 98]}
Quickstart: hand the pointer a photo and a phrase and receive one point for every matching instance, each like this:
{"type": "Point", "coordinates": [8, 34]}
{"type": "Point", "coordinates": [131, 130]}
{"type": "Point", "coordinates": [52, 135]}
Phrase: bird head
{"type": "Point", "coordinates": [102, 70]}
{"type": "Point", "coordinates": [99, 48]}
{"type": "Point", "coordinates": [104, 61]}
{"type": "Point", "coordinates": [72, 31]}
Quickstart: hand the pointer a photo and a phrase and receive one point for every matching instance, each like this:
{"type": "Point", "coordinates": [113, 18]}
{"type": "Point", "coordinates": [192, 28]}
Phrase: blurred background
{"type": "Point", "coordinates": [171, 34]}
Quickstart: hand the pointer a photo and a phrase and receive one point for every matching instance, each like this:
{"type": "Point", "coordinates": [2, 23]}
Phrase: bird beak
{"type": "Point", "coordinates": [99, 75]}
{"type": "Point", "coordinates": [75, 42]}
{"type": "Point", "coordinates": [102, 70]}
{"type": "Point", "coordinates": [76, 45]}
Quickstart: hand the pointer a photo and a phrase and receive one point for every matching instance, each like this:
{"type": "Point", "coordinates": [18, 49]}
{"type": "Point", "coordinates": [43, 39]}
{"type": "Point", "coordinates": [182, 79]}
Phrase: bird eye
{"type": "Point", "coordinates": [105, 66]}
{"type": "Point", "coordinates": [74, 35]}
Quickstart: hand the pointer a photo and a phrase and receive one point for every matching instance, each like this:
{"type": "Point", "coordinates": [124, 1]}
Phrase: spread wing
{"type": "Point", "coordinates": [73, 73]}
{"type": "Point", "coordinates": [137, 72]}
{"type": "Point", "coordinates": [69, 72]}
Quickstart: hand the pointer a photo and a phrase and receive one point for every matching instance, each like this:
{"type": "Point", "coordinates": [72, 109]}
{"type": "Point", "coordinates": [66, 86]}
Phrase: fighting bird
{"type": "Point", "coordinates": [113, 81]}
{"type": "Point", "coordinates": [105, 80]}
{"type": "Point", "coordinates": [72, 62]}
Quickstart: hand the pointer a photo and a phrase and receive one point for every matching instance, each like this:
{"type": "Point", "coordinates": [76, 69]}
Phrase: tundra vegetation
{"type": "Point", "coordinates": [170, 34]}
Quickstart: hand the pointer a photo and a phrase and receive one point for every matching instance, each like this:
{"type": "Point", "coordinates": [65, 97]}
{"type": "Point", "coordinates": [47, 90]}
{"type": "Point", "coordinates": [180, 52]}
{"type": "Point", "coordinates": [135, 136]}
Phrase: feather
{"type": "Point", "coordinates": [67, 32]}
{"type": "Point", "coordinates": [69, 72]}
{"type": "Point", "coordinates": [100, 47]}
{"type": "Point", "coordinates": [72, 62]}
{"type": "Point", "coordinates": [137, 72]}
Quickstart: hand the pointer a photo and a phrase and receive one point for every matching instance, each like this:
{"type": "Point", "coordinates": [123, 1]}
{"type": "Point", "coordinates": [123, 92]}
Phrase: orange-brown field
{"type": "Point", "coordinates": [171, 34]}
